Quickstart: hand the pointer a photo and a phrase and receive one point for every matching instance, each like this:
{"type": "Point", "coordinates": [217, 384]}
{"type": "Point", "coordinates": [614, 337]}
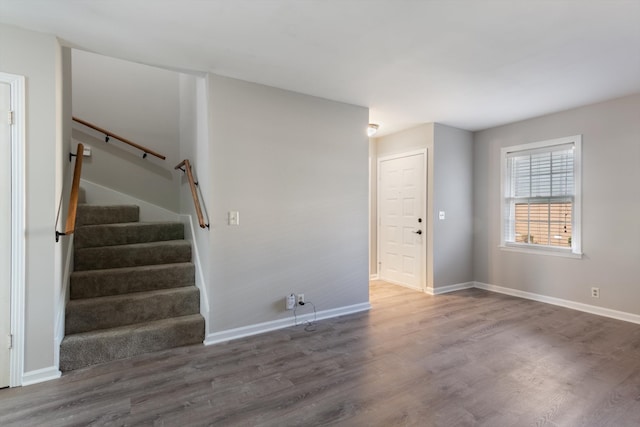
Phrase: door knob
{"type": "Point", "coordinates": [418, 232]}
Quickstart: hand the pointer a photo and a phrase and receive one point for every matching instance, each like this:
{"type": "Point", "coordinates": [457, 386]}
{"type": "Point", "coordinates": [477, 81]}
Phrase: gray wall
{"type": "Point", "coordinates": [295, 167]}
{"type": "Point", "coordinates": [452, 193]}
{"type": "Point", "coordinates": [610, 208]}
{"type": "Point", "coordinates": [40, 59]}
{"type": "Point", "coordinates": [140, 103]}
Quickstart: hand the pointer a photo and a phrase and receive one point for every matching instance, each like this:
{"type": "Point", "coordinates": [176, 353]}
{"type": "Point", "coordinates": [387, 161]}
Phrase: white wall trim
{"type": "Point", "coordinates": [17, 304]}
{"type": "Point", "coordinates": [373, 276]}
{"type": "Point", "coordinates": [187, 220]}
{"type": "Point", "coordinates": [438, 290]}
{"type": "Point", "coordinates": [40, 375]}
{"type": "Point", "coordinates": [587, 308]}
{"type": "Point", "coordinates": [259, 328]}
{"type": "Point", "coordinates": [99, 194]}
{"type": "Point", "coordinates": [576, 221]}
{"type": "Point", "coordinates": [526, 248]}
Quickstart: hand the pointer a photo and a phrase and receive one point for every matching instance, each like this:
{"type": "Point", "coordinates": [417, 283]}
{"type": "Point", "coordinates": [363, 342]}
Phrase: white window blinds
{"type": "Point", "coordinates": [541, 173]}
{"type": "Point", "coordinates": [539, 184]}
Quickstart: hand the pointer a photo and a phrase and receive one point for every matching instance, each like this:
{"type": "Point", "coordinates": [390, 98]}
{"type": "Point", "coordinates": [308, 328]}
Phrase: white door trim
{"type": "Point", "coordinates": [16, 360]}
{"type": "Point", "coordinates": [423, 258]}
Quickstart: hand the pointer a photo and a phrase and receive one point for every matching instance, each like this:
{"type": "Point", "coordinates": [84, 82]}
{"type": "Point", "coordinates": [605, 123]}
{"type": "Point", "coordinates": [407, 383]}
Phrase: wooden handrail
{"type": "Point", "coordinates": [70, 225]}
{"type": "Point", "coordinates": [108, 134]}
{"type": "Point", "coordinates": [194, 193]}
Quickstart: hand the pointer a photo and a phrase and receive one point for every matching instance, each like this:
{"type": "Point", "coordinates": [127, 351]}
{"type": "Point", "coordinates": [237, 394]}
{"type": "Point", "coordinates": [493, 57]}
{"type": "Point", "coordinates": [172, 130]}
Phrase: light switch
{"type": "Point", "coordinates": [441, 215]}
{"type": "Point", "coordinates": [86, 152]}
{"type": "Point", "coordinates": [234, 218]}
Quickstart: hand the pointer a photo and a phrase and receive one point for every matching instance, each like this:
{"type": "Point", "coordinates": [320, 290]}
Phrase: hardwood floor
{"type": "Point", "coordinates": [462, 359]}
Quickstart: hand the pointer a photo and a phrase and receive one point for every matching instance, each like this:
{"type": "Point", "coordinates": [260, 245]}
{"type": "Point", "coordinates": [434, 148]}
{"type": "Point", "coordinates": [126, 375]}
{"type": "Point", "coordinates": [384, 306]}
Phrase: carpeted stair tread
{"type": "Point", "coordinates": [115, 281]}
{"type": "Point", "coordinates": [97, 214]}
{"type": "Point", "coordinates": [126, 233]}
{"type": "Point", "coordinates": [132, 290]}
{"type": "Point", "coordinates": [90, 348]}
{"type": "Point", "coordinates": [89, 314]}
{"type": "Point", "coordinates": [103, 257]}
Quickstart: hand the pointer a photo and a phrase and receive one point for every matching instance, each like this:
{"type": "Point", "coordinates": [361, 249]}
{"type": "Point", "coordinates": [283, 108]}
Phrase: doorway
{"type": "Point", "coordinates": [12, 230]}
{"type": "Point", "coordinates": [402, 219]}
{"type": "Point", "coordinates": [5, 233]}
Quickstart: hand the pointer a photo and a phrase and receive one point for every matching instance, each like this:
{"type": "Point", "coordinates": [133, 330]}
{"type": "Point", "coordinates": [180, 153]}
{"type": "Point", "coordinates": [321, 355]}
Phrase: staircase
{"type": "Point", "coordinates": [132, 290]}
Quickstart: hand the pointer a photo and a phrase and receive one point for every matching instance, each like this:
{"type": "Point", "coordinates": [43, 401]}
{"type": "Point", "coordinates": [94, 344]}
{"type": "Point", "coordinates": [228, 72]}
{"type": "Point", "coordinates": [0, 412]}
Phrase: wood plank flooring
{"type": "Point", "coordinates": [463, 359]}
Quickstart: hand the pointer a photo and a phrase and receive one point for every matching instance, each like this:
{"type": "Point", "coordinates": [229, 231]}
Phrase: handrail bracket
{"type": "Point", "coordinates": [108, 135]}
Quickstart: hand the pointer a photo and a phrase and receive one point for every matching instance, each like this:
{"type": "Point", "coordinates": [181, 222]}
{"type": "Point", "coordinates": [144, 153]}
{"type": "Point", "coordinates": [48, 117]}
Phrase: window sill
{"type": "Point", "coordinates": [540, 251]}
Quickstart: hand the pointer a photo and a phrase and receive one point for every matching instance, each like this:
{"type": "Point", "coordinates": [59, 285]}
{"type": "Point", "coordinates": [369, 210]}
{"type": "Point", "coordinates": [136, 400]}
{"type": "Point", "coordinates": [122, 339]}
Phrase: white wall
{"type": "Point", "coordinates": [373, 207]}
{"type": "Point", "coordinates": [610, 208]}
{"type": "Point", "coordinates": [296, 169]}
{"type": "Point", "coordinates": [64, 176]}
{"type": "Point", "coordinates": [194, 146]}
{"type": "Point", "coordinates": [140, 103]}
{"type": "Point", "coordinates": [40, 59]}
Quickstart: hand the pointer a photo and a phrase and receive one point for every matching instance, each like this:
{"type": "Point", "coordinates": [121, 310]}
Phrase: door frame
{"type": "Point", "coordinates": [423, 257]}
{"type": "Point", "coordinates": [17, 102]}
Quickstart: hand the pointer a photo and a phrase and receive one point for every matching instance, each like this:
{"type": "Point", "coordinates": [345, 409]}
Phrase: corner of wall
{"type": "Point", "coordinates": [608, 128]}
{"type": "Point", "coordinates": [453, 195]}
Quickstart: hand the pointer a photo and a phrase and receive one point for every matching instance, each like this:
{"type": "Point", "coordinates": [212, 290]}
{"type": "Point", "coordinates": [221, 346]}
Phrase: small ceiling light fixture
{"type": "Point", "coordinates": [372, 129]}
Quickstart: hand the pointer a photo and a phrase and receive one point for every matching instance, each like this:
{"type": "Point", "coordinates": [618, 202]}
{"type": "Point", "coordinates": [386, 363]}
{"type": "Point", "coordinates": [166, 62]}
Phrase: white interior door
{"type": "Point", "coordinates": [5, 233]}
{"type": "Point", "coordinates": [401, 220]}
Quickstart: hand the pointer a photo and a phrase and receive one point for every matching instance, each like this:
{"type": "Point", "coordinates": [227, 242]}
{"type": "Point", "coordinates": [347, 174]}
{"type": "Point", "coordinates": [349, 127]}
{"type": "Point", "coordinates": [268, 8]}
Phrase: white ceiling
{"type": "Point", "coordinates": [471, 64]}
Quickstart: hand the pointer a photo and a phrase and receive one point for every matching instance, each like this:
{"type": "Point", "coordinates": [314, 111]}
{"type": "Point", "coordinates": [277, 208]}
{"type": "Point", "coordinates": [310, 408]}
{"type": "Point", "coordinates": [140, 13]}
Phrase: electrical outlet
{"type": "Point", "coordinates": [290, 301]}
{"type": "Point", "coordinates": [595, 292]}
{"type": "Point", "coordinates": [300, 298]}
{"type": "Point", "coordinates": [234, 217]}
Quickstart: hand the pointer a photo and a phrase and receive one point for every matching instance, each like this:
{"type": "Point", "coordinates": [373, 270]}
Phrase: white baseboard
{"type": "Point", "coordinates": [40, 375]}
{"type": "Point", "coordinates": [99, 194]}
{"type": "Point", "coordinates": [259, 328]}
{"type": "Point", "coordinates": [374, 276]}
{"type": "Point", "coordinates": [592, 309]}
{"type": "Point", "coordinates": [450, 288]}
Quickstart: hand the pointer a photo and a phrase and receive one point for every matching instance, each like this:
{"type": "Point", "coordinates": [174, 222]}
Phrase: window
{"type": "Point", "coordinates": [541, 196]}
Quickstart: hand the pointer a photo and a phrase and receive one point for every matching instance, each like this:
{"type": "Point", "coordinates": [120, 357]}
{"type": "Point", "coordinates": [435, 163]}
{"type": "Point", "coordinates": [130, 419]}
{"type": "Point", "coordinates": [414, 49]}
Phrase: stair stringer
{"type": "Point", "coordinates": [201, 283]}
{"type": "Point", "coordinates": [63, 299]}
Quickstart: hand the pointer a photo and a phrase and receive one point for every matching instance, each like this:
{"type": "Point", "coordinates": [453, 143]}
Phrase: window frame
{"type": "Point", "coordinates": [575, 251]}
